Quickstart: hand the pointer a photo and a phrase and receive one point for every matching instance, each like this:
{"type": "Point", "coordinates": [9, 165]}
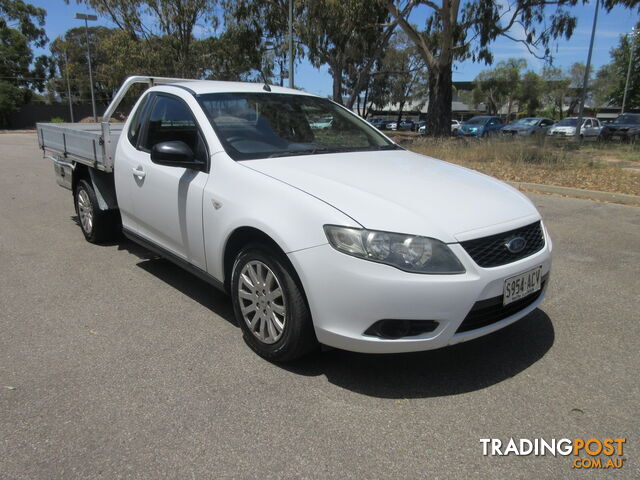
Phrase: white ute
{"type": "Point", "coordinates": [321, 229]}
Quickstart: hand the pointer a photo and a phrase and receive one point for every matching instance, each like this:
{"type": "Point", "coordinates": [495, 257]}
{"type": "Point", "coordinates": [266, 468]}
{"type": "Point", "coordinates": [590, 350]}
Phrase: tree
{"type": "Point", "coordinates": [611, 78]}
{"type": "Point", "coordinates": [404, 70]}
{"type": "Point", "coordinates": [575, 79]}
{"type": "Point", "coordinates": [69, 56]}
{"type": "Point", "coordinates": [344, 34]}
{"type": "Point", "coordinates": [555, 88]}
{"type": "Point", "coordinates": [499, 86]}
{"type": "Point", "coordinates": [149, 19]}
{"type": "Point", "coordinates": [456, 30]}
{"type": "Point", "coordinates": [529, 93]}
{"type": "Point", "coordinates": [21, 27]}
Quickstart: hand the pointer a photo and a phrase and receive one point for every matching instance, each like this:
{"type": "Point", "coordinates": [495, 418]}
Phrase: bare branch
{"type": "Point", "coordinates": [410, 30]}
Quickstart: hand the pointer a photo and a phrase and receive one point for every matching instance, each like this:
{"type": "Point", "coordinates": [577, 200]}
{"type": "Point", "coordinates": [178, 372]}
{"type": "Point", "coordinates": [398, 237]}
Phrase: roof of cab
{"type": "Point", "coordinates": [215, 86]}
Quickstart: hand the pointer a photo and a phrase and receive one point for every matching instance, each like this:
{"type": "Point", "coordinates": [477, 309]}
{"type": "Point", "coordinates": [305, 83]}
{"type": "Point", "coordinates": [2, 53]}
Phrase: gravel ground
{"type": "Point", "coordinates": [116, 364]}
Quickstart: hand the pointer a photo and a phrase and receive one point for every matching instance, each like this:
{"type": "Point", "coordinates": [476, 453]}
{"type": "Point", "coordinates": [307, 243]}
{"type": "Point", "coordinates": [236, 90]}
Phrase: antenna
{"type": "Point", "coordinates": [266, 86]}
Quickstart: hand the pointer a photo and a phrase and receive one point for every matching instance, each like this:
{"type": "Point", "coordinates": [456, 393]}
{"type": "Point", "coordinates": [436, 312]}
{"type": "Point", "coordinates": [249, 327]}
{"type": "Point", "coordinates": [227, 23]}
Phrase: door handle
{"type": "Point", "coordinates": [138, 172]}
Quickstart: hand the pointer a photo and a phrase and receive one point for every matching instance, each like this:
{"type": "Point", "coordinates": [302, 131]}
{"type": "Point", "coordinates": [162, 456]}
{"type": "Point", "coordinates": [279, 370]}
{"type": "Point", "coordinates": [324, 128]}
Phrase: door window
{"type": "Point", "coordinates": [171, 120]}
{"type": "Point", "coordinates": [136, 122]}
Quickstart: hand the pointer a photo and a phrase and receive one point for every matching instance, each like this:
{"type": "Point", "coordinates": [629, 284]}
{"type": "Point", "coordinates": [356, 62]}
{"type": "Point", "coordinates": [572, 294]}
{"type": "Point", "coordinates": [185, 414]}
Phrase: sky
{"type": "Point", "coordinates": [318, 81]}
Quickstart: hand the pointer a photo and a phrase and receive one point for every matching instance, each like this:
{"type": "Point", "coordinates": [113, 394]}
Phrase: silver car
{"type": "Point", "coordinates": [528, 126]}
{"type": "Point", "coordinates": [591, 128]}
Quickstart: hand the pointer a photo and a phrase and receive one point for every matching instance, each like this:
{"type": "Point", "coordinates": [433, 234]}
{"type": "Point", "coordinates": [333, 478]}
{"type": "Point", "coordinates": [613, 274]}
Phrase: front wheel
{"type": "Point", "coordinates": [269, 305]}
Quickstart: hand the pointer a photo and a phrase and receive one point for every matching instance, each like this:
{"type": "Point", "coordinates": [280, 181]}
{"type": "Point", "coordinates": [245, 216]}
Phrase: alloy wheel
{"type": "Point", "coordinates": [262, 302]}
{"type": "Point", "coordinates": [85, 211]}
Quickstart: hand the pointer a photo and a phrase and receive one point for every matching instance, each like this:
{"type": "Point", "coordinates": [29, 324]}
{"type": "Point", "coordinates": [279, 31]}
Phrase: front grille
{"type": "Point", "coordinates": [492, 251]}
{"type": "Point", "coordinates": [486, 312]}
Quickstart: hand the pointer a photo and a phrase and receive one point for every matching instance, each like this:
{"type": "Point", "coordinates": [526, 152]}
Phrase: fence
{"type": "Point", "coordinates": [30, 114]}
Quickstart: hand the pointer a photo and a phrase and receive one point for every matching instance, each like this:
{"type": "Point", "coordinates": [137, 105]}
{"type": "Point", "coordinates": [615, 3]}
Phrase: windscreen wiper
{"type": "Point", "coordinates": [306, 151]}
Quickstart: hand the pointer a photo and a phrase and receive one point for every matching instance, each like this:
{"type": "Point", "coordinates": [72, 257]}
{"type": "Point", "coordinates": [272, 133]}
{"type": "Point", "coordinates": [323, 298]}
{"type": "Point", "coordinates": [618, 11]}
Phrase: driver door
{"type": "Point", "coordinates": [167, 200]}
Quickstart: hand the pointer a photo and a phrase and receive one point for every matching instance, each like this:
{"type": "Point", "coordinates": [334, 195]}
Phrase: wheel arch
{"type": "Point", "coordinates": [102, 183]}
{"type": "Point", "coordinates": [246, 235]}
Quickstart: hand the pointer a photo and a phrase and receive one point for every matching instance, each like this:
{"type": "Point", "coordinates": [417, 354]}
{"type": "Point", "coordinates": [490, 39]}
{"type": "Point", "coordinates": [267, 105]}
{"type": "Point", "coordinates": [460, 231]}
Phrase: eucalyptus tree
{"type": "Point", "coordinates": [499, 86]}
{"type": "Point", "coordinates": [21, 29]}
{"type": "Point", "coordinates": [176, 20]}
{"type": "Point", "coordinates": [457, 30]}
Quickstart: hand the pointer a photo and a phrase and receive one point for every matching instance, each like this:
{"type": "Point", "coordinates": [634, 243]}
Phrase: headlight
{"type": "Point", "coordinates": [410, 253]}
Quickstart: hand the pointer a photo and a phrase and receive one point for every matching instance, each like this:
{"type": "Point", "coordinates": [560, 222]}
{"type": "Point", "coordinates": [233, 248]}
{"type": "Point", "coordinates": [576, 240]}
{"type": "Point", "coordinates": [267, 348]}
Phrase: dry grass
{"type": "Point", "coordinates": [604, 167]}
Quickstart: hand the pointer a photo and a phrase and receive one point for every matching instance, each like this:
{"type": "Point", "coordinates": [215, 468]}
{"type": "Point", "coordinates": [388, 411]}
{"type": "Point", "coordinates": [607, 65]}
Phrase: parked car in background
{"type": "Point", "coordinates": [591, 128]}
{"type": "Point", "coordinates": [480, 126]}
{"type": "Point", "coordinates": [625, 127]}
{"type": "Point", "coordinates": [528, 126]}
{"type": "Point", "coordinates": [455, 125]}
{"type": "Point", "coordinates": [379, 123]}
{"type": "Point", "coordinates": [420, 126]}
{"type": "Point", "coordinates": [392, 126]}
{"type": "Point", "coordinates": [407, 125]}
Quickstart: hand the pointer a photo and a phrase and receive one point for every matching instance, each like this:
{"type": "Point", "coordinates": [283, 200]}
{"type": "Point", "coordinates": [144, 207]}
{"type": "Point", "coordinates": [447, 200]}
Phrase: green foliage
{"type": "Point", "coordinates": [11, 98]}
{"type": "Point", "coordinates": [529, 93]}
{"type": "Point", "coordinates": [404, 74]}
{"type": "Point", "coordinates": [56, 120]}
{"type": "Point", "coordinates": [25, 18]}
{"type": "Point", "coordinates": [172, 20]}
{"type": "Point", "coordinates": [554, 91]}
{"type": "Point", "coordinates": [611, 78]}
{"type": "Point", "coordinates": [498, 87]}
{"type": "Point", "coordinates": [21, 27]}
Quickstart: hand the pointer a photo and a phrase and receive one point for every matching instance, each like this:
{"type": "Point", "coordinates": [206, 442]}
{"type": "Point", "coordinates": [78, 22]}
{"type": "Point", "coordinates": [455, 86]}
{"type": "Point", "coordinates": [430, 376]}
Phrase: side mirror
{"type": "Point", "coordinates": [175, 154]}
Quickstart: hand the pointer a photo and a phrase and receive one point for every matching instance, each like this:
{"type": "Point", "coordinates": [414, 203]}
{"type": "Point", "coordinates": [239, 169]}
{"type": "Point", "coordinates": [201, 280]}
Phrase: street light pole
{"type": "Point", "coordinates": [66, 71]}
{"type": "Point", "coordinates": [634, 32]}
{"type": "Point", "coordinates": [86, 18]}
{"type": "Point", "coordinates": [586, 72]}
{"type": "Point", "coordinates": [291, 44]}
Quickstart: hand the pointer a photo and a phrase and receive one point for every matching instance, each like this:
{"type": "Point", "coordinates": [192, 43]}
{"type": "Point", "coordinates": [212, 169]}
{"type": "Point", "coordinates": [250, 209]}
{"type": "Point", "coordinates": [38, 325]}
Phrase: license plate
{"type": "Point", "coordinates": [520, 286]}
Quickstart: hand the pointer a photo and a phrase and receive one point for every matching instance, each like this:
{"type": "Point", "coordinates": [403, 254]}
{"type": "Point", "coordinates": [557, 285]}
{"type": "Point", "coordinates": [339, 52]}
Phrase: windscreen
{"type": "Point", "coordinates": [477, 121]}
{"type": "Point", "coordinates": [264, 125]}
{"type": "Point", "coordinates": [567, 122]}
{"type": "Point", "coordinates": [530, 122]}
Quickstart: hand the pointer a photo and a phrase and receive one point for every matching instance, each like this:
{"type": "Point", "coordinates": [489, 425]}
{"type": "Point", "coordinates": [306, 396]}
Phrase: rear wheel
{"type": "Point", "coordinates": [97, 225]}
{"type": "Point", "coordinates": [269, 305]}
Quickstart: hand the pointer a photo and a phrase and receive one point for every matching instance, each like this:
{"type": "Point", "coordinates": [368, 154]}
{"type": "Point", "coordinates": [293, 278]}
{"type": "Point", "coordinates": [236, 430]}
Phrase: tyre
{"type": "Point", "coordinates": [97, 225]}
{"type": "Point", "coordinates": [269, 305]}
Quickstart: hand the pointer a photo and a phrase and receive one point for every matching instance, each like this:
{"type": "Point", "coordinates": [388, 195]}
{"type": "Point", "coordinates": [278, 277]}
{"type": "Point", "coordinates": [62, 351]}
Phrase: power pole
{"type": "Point", "coordinates": [66, 71]}
{"type": "Point", "coordinates": [586, 72]}
{"type": "Point", "coordinates": [86, 18]}
{"type": "Point", "coordinates": [291, 83]}
{"type": "Point", "coordinates": [634, 32]}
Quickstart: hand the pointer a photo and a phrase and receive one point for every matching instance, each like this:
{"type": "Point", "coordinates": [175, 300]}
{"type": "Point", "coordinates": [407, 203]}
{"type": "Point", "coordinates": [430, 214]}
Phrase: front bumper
{"type": "Point", "coordinates": [476, 133]}
{"type": "Point", "coordinates": [347, 295]}
{"type": "Point", "coordinates": [515, 132]}
{"type": "Point", "coordinates": [562, 134]}
{"type": "Point", "coordinates": [619, 134]}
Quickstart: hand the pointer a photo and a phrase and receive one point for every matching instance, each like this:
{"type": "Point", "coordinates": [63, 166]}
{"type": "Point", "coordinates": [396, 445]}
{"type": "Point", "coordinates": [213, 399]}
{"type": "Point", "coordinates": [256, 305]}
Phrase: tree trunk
{"type": "Point", "coordinates": [336, 74]}
{"type": "Point", "coordinates": [400, 109]}
{"type": "Point", "coordinates": [440, 97]}
{"type": "Point", "coordinates": [365, 110]}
